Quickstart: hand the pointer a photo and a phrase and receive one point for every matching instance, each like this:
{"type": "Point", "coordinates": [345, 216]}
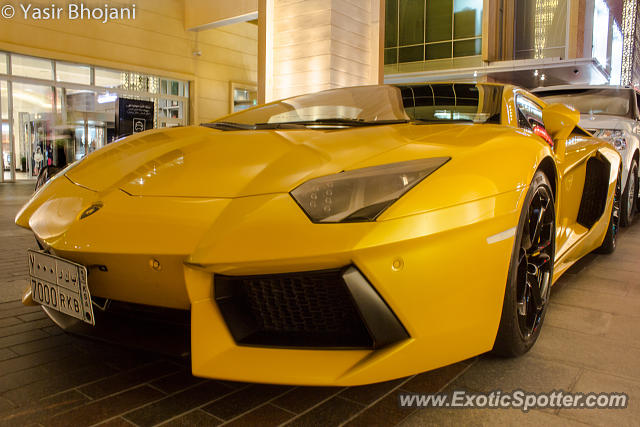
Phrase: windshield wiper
{"type": "Point", "coordinates": [228, 126]}
{"type": "Point", "coordinates": [432, 121]}
{"type": "Point", "coordinates": [345, 122]}
{"type": "Point", "coordinates": [258, 126]}
{"type": "Point", "coordinates": [279, 125]}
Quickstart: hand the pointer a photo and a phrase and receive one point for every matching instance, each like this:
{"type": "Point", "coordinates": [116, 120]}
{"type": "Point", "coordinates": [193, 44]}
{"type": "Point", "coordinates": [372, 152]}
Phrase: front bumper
{"type": "Point", "coordinates": [441, 273]}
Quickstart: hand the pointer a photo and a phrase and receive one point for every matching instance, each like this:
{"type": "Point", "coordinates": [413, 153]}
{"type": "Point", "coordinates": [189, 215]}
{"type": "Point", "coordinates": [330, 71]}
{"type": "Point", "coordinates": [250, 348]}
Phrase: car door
{"type": "Point", "coordinates": [572, 171]}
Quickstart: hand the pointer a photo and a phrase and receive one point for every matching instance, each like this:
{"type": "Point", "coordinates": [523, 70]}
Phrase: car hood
{"type": "Point", "coordinates": [591, 122]}
{"type": "Point", "coordinates": [201, 162]}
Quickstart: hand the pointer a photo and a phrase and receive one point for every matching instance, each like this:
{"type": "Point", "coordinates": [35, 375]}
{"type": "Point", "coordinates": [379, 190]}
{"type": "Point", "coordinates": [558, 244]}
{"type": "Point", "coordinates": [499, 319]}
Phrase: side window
{"type": "Point", "coordinates": [530, 117]}
{"type": "Point", "coordinates": [529, 113]}
{"type": "Point", "coordinates": [408, 100]}
{"type": "Point", "coordinates": [638, 105]}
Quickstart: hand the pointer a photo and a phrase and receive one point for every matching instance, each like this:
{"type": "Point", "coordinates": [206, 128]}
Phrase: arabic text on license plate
{"type": "Point", "coordinates": [61, 285]}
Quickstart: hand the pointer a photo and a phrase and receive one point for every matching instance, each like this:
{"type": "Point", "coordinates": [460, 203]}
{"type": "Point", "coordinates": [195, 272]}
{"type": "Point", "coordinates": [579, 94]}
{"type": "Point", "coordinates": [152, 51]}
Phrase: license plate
{"type": "Point", "coordinates": [61, 285]}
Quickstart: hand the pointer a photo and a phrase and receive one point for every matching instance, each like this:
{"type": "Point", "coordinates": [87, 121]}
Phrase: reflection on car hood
{"type": "Point", "coordinates": [202, 162]}
{"type": "Point", "coordinates": [590, 122]}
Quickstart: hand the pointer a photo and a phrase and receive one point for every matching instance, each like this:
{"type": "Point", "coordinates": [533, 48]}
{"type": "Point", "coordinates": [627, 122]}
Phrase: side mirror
{"type": "Point", "coordinates": [560, 120]}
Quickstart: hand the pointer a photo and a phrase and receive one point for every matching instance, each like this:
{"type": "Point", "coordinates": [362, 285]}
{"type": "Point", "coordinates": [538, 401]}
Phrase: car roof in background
{"type": "Point", "coordinates": [450, 83]}
{"type": "Point", "coordinates": [577, 87]}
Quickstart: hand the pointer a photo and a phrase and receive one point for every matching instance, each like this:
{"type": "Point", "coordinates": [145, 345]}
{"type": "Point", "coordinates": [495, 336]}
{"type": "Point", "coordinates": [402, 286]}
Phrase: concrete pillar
{"type": "Point", "coordinates": [311, 45]}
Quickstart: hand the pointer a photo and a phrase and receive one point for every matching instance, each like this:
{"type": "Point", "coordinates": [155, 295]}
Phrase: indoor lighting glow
{"type": "Point", "coordinates": [31, 99]}
{"type": "Point", "coordinates": [107, 97]}
{"type": "Point", "coordinates": [600, 37]}
{"type": "Point", "coordinates": [542, 21]}
{"type": "Point", "coordinates": [616, 56]}
{"type": "Point", "coordinates": [628, 31]}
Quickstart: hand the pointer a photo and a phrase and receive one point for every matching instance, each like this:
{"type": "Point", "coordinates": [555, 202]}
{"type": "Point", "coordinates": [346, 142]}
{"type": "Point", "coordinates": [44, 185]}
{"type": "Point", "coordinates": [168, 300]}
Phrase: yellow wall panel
{"type": "Point", "coordinates": [213, 89]}
{"type": "Point", "coordinates": [212, 105]}
{"type": "Point", "coordinates": [203, 12]}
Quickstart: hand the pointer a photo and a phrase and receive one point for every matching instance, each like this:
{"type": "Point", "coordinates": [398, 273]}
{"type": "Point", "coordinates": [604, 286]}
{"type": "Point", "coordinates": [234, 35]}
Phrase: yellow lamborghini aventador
{"type": "Point", "coordinates": [345, 237]}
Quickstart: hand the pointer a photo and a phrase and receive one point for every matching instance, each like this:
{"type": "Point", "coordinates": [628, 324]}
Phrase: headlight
{"type": "Point", "coordinates": [362, 194]}
{"type": "Point", "coordinates": [616, 137]}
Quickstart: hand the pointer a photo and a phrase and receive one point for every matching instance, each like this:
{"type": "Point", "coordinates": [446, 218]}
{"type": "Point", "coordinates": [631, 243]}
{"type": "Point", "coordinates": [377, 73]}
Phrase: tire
{"type": "Point", "coordinates": [630, 196]}
{"type": "Point", "coordinates": [528, 286]}
{"type": "Point", "coordinates": [609, 243]}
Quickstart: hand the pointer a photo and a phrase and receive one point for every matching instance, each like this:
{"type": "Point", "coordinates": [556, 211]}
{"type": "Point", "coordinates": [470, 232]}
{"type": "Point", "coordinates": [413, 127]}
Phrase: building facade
{"type": "Point", "coordinates": [528, 42]}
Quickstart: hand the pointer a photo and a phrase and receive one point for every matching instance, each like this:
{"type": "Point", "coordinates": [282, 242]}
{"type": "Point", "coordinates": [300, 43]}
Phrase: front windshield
{"type": "Point", "coordinates": [370, 105]}
{"type": "Point", "coordinates": [615, 102]}
{"type": "Point", "coordinates": [365, 103]}
{"type": "Point", "coordinates": [442, 102]}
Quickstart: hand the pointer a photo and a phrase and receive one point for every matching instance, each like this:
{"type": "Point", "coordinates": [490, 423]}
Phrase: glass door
{"type": "Point", "coordinates": [33, 129]}
{"type": "Point", "coordinates": [86, 118]}
{"type": "Point", "coordinates": [36, 144]}
{"type": "Point", "coordinates": [5, 146]}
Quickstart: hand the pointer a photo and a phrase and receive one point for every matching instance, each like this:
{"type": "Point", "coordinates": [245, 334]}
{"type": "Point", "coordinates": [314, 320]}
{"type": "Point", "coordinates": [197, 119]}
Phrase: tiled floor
{"type": "Point", "coordinates": [590, 342]}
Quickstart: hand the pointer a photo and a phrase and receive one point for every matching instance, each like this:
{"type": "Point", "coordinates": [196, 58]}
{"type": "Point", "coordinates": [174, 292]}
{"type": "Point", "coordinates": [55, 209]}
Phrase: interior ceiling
{"type": "Point", "coordinates": [574, 74]}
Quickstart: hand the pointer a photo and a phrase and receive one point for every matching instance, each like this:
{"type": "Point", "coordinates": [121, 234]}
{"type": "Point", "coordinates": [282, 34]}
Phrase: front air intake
{"type": "Point", "coordinates": [313, 309]}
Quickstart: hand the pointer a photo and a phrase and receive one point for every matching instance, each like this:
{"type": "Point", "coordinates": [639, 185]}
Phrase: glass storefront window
{"type": "Point", "coordinates": [411, 53]}
{"type": "Point", "coordinates": [391, 24]}
{"type": "Point", "coordinates": [125, 80]}
{"type": "Point", "coordinates": [5, 100]}
{"type": "Point", "coordinates": [85, 122]}
{"type": "Point", "coordinates": [412, 20]}
{"type": "Point", "coordinates": [428, 30]}
{"type": "Point", "coordinates": [540, 29]}
{"type": "Point", "coordinates": [73, 73]}
{"type": "Point", "coordinates": [27, 66]}
{"type": "Point", "coordinates": [55, 125]}
{"type": "Point", "coordinates": [467, 19]}
{"type": "Point", "coordinates": [108, 78]}
{"type": "Point", "coordinates": [4, 122]}
{"type": "Point", "coordinates": [243, 97]}
{"type": "Point", "coordinates": [170, 109]}
{"type": "Point", "coordinates": [467, 47]}
{"type": "Point", "coordinates": [439, 25]}
{"type": "Point", "coordinates": [438, 51]}
{"type": "Point", "coordinates": [140, 82]}
{"type": "Point", "coordinates": [173, 87]}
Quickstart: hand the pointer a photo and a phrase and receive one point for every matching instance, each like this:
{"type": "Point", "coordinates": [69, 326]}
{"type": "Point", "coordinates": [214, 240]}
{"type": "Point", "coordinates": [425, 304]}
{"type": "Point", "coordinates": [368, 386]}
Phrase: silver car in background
{"type": "Point", "coordinates": [611, 113]}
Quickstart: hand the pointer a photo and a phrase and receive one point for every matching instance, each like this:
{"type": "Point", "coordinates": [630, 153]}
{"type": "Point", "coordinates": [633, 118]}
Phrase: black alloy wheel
{"type": "Point", "coordinates": [530, 272]}
{"type": "Point", "coordinates": [630, 195]}
{"type": "Point", "coordinates": [535, 262]}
